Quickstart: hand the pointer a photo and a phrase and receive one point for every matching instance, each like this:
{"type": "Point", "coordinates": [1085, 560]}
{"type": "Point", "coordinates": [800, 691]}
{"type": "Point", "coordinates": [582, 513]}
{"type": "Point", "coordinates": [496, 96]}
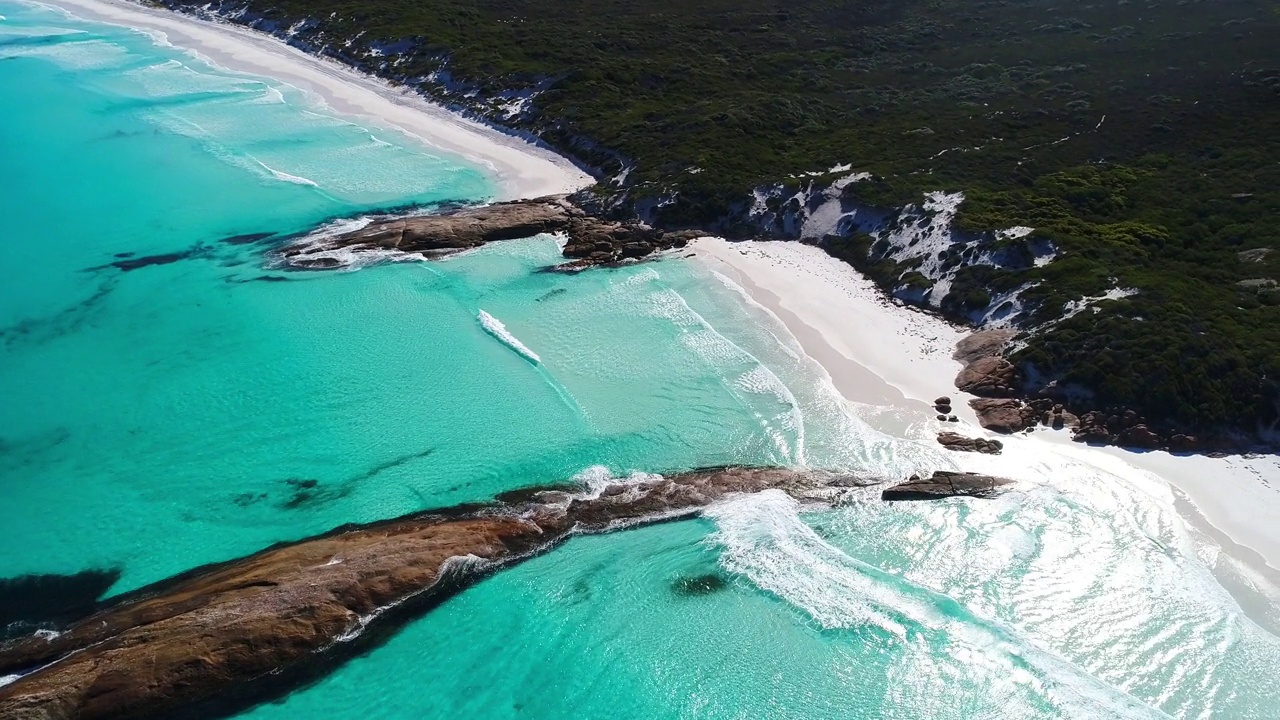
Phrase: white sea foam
{"type": "Point", "coordinates": [702, 338]}
{"type": "Point", "coordinates": [764, 539]}
{"type": "Point", "coordinates": [494, 327]}
{"type": "Point", "coordinates": [6, 679]}
{"type": "Point", "coordinates": [284, 176]}
{"type": "Point", "coordinates": [78, 55]}
{"type": "Point", "coordinates": [458, 563]}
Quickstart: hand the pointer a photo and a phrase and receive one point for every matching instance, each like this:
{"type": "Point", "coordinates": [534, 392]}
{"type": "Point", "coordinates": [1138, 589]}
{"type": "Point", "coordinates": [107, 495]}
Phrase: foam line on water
{"type": "Point", "coordinates": [875, 453]}
{"type": "Point", "coordinates": [764, 539]}
{"type": "Point", "coordinates": [494, 327]}
{"type": "Point", "coordinates": [284, 176]}
{"type": "Point", "coordinates": [700, 336]}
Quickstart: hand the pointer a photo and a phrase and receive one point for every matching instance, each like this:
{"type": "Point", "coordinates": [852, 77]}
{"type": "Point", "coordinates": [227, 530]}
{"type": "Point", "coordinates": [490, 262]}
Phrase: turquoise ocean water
{"type": "Point", "coordinates": [157, 418]}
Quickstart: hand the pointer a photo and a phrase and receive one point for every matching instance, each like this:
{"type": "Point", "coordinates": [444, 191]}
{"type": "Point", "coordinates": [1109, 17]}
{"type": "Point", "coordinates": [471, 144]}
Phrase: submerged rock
{"type": "Point", "coordinates": [699, 585]}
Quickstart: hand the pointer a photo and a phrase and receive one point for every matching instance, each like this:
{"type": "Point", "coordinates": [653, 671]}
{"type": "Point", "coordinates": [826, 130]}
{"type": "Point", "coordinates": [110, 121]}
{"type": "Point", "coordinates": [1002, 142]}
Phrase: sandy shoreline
{"type": "Point", "coordinates": [879, 353]}
{"type": "Point", "coordinates": [521, 169]}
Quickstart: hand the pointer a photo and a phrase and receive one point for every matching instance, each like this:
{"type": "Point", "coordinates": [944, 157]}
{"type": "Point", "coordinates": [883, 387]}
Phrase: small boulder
{"type": "Point", "coordinates": [960, 443]}
{"type": "Point", "coordinates": [944, 400]}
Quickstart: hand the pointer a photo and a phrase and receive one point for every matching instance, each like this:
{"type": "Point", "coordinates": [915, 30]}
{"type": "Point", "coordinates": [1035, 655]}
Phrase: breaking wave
{"type": "Point", "coordinates": [494, 327]}
{"type": "Point", "coordinates": [764, 539]}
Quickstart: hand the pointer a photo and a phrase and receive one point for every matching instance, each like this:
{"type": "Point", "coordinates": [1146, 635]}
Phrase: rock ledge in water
{"type": "Point", "coordinates": [591, 241]}
{"type": "Point", "coordinates": [216, 640]}
{"type": "Point", "coordinates": [947, 484]}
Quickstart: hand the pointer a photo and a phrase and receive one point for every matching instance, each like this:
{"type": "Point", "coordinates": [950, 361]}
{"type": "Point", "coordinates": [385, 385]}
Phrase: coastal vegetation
{"type": "Point", "coordinates": [1138, 138]}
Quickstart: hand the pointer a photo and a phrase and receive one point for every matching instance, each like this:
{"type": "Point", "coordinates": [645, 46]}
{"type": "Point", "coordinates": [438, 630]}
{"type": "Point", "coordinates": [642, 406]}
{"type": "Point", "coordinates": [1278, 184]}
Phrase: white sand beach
{"type": "Point", "coordinates": [521, 168]}
{"type": "Point", "coordinates": [879, 352]}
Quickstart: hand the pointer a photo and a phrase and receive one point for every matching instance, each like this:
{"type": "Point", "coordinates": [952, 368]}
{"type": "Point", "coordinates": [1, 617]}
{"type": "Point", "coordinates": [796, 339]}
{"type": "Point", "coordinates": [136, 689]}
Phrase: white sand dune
{"type": "Point", "coordinates": [521, 168]}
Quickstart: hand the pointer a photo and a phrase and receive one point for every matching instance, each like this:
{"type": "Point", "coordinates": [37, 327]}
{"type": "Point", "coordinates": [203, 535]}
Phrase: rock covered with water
{"type": "Point", "coordinates": [216, 639]}
{"type": "Point", "coordinates": [590, 240]}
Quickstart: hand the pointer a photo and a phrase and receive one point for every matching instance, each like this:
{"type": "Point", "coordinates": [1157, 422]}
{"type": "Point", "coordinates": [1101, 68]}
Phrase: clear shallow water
{"type": "Point", "coordinates": [152, 420]}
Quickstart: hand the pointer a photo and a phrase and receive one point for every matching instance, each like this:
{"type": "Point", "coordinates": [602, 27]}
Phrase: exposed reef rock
{"type": "Point", "coordinates": [216, 639]}
{"type": "Point", "coordinates": [947, 484]}
{"type": "Point", "coordinates": [591, 241]}
{"type": "Point", "coordinates": [960, 443]}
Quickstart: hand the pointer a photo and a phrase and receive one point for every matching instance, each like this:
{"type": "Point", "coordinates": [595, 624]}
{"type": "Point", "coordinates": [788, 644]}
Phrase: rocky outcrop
{"type": "Point", "coordinates": [1129, 429]}
{"type": "Point", "coordinates": [219, 638]}
{"type": "Point", "coordinates": [960, 443]}
{"type": "Point", "coordinates": [982, 344]}
{"type": "Point", "coordinates": [944, 484]}
{"type": "Point", "coordinates": [1003, 415]}
{"type": "Point", "coordinates": [591, 241]}
{"type": "Point", "coordinates": [990, 377]}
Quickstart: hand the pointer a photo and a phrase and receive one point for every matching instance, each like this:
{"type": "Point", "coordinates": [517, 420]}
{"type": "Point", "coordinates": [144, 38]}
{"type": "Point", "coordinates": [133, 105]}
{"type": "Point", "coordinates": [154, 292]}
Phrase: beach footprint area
{"type": "Point", "coordinates": [176, 405]}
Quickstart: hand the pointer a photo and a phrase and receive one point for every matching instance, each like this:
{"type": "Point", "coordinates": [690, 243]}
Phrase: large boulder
{"type": "Point", "coordinates": [1002, 415]}
{"type": "Point", "coordinates": [984, 343]}
{"type": "Point", "coordinates": [1141, 437]}
{"type": "Point", "coordinates": [1092, 429]}
{"type": "Point", "coordinates": [991, 377]}
{"type": "Point", "coordinates": [947, 484]}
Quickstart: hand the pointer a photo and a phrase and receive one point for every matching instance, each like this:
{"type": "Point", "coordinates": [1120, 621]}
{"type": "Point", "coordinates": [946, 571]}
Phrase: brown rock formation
{"type": "Point", "coordinates": [591, 241]}
{"type": "Point", "coordinates": [218, 638]}
{"type": "Point", "coordinates": [992, 377]}
{"type": "Point", "coordinates": [960, 443]}
{"type": "Point", "coordinates": [1005, 415]}
{"type": "Point", "coordinates": [981, 344]}
{"type": "Point", "coordinates": [946, 484]}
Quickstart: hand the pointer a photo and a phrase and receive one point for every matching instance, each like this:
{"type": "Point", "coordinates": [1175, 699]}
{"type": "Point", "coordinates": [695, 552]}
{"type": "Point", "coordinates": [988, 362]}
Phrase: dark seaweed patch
{"type": "Point", "coordinates": [149, 260]}
{"type": "Point", "coordinates": [29, 602]}
{"type": "Point", "coordinates": [383, 467]}
{"type": "Point", "coordinates": [696, 585]}
{"type": "Point", "coordinates": [306, 492]}
{"type": "Point", "coordinates": [63, 322]}
{"type": "Point", "coordinates": [247, 238]}
{"type": "Point", "coordinates": [247, 499]}
{"type": "Point", "coordinates": [551, 293]}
